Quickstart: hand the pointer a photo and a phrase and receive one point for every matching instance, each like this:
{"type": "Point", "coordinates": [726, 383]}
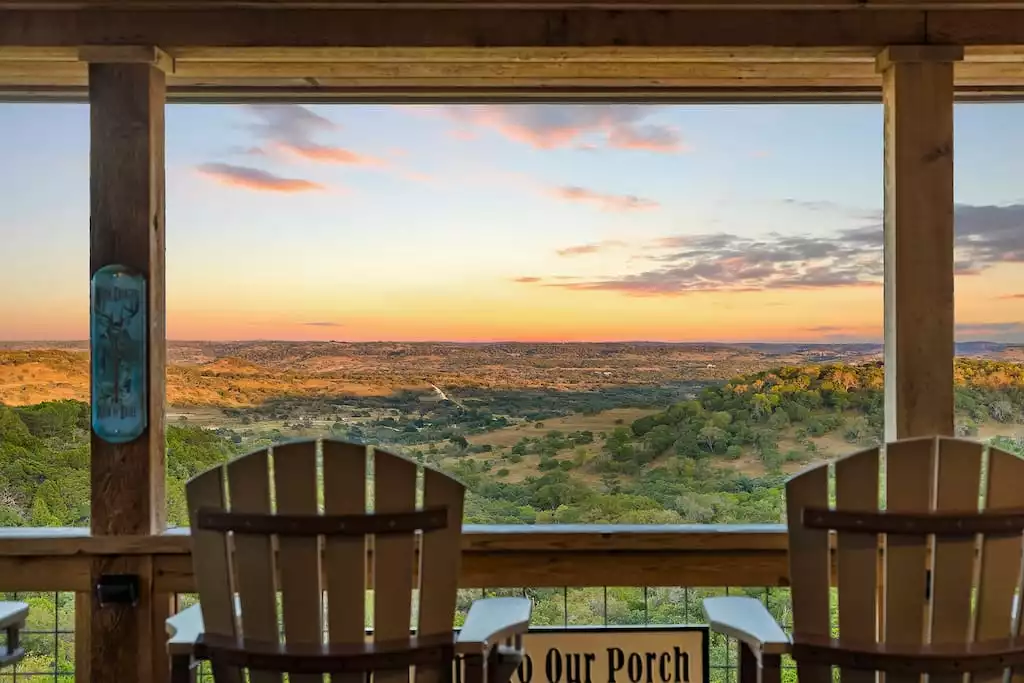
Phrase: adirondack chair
{"type": "Point", "coordinates": [246, 549]}
{"type": "Point", "coordinates": [12, 620]}
{"type": "Point", "coordinates": [926, 584]}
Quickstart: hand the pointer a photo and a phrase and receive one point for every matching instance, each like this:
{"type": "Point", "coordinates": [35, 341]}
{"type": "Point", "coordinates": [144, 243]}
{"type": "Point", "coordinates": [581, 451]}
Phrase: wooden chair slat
{"type": "Point", "coordinates": [298, 564]}
{"type": "Point", "coordinates": [249, 487]}
{"type": "Point", "coordinates": [909, 482]}
{"type": "Point", "coordinates": [999, 573]}
{"type": "Point", "coordinates": [212, 564]}
{"type": "Point", "coordinates": [345, 558]}
{"type": "Point", "coordinates": [809, 566]}
{"type": "Point", "coordinates": [957, 489]}
{"type": "Point", "coordinates": [857, 490]}
{"type": "Point", "coordinates": [439, 565]}
{"type": "Point", "coordinates": [394, 491]}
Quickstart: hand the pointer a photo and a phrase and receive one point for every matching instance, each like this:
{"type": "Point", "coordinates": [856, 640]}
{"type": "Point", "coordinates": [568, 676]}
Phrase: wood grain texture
{"type": "Point", "coordinates": [57, 541]}
{"type": "Point", "coordinates": [953, 569]}
{"type": "Point", "coordinates": [298, 560]}
{"type": "Point", "coordinates": [480, 27]}
{"type": "Point", "coordinates": [127, 480]}
{"type": "Point", "coordinates": [809, 566]}
{"type": "Point", "coordinates": [48, 560]}
{"type": "Point", "coordinates": [439, 564]}
{"type": "Point", "coordinates": [1000, 570]}
{"type": "Point", "coordinates": [211, 560]}
{"type": "Point", "coordinates": [345, 558]}
{"type": "Point", "coordinates": [857, 490]}
{"type": "Point", "coordinates": [909, 482]}
{"type": "Point", "coordinates": [249, 488]}
{"type": "Point", "coordinates": [127, 227]}
{"type": "Point", "coordinates": [919, 269]}
{"type": "Point", "coordinates": [394, 482]}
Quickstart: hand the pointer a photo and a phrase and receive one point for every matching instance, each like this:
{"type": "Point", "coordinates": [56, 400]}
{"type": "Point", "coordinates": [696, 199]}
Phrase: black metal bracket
{"type": "Point", "coordinates": [118, 589]}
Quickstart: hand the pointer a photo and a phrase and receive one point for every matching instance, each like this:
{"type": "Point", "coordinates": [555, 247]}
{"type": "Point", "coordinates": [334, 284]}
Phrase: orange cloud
{"type": "Point", "coordinates": [609, 202]}
{"type": "Point", "coordinates": [330, 155]}
{"type": "Point", "coordinates": [527, 280]}
{"type": "Point", "coordinates": [255, 179]}
{"type": "Point", "coordinates": [581, 249]}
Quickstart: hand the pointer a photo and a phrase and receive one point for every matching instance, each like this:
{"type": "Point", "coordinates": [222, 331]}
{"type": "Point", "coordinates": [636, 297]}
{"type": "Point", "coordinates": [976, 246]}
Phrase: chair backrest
{"type": "Point", "coordinates": [928, 564]}
{"type": "Point", "coordinates": [259, 529]}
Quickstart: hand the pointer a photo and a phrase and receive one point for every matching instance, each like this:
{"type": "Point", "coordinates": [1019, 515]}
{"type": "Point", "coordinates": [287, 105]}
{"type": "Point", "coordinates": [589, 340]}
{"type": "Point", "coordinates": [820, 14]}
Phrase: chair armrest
{"type": "Point", "coordinates": [12, 620]}
{"type": "Point", "coordinates": [747, 620]}
{"type": "Point", "coordinates": [184, 629]}
{"type": "Point", "coordinates": [492, 620]}
{"type": "Point", "coordinates": [12, 614]}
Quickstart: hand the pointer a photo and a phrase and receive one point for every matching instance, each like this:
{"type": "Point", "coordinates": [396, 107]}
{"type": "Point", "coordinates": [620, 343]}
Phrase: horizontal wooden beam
{"type": "Point", "coordinates": [58, 541]}
{"type": "Point", "coordinates": [473, 26]}
{"type": "Point", "coordinates": [733, 5]}
{"type": "Point", "coordinates": [849, 79]}
{"type": "Point", "coordinates": [59, 560]}
{"type": "Point", "coordinates": [452, 25]}
{"type": "Point", "coordinates": [469, 74]}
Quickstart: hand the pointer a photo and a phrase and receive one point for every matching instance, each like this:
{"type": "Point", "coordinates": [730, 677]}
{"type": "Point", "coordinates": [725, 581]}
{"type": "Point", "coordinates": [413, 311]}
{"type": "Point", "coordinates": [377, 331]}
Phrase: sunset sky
{"type": "Point", "coordinates": [512, 222]}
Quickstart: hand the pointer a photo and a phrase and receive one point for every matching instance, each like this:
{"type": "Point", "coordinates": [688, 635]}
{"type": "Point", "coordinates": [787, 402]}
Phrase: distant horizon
{"type": "Point", "coordinates": [694, 342]}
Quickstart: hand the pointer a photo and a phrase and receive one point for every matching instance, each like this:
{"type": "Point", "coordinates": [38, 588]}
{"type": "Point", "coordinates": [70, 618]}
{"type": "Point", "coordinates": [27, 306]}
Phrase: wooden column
{"type": "Point", "coordinates": [917, 93]}
{"type": "Point", "coordinates": [126, 98]}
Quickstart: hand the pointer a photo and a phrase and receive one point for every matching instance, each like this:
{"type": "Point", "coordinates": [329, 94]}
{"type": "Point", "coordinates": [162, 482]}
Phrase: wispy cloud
{"type": "Point", "coordinates": [607, 201]}
{"type": "Point", "coordinates": [548, 126]}
{"type": "Point", "coordinates": [293, 129]}
{"type": "Point", "coordinates": [1012, 296]}
{"type": "Point", "coordinates": [990, 331]}
{"type": "Point", "coordinates": [845, 334]}
{"type": "Point", "coordinates": [255, 179]}
{"type": "Point", "coordinates": [324, 324]}
{"type": "Point", "coordinates": [716, 262]}
{"type": "Point", "coordinates": [593, 248]}
{"type": "Point", "coordinates": [526, 279]}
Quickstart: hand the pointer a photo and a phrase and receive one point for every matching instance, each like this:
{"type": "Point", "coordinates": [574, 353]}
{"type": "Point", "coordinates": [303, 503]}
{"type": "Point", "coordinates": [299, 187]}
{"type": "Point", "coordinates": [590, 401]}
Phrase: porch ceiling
{"type": "Point", "coordinates": [221, 50]}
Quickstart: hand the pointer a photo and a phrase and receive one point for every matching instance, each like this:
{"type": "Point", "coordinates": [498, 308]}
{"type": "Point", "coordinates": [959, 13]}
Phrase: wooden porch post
{"type": "Point", "coordinates": [917, 92]}
{"type": "Point", "coordinates": [126, 98]}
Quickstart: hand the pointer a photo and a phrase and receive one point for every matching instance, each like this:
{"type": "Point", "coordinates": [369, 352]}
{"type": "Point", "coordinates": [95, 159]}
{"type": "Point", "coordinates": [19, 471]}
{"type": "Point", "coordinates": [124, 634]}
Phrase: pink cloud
{"type": "Point", "coordinates": [582, 249]}
{"type": "Point", "coordinates": [607, 201]}
{"type": "Point", "coordinates": [544, 126]}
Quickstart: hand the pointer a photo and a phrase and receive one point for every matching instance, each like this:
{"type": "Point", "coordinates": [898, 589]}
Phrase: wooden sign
{"type": "Point", "coordinates": [664, 654]}
{"type": "Point", "coordinates": [118, 354]}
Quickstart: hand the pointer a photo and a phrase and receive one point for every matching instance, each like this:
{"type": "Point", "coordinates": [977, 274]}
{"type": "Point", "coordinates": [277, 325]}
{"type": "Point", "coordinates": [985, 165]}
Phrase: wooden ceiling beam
{"type": "Point", "coordinates": [469, 74]}
{"type": "Point", "coordinates": [469, 27]}
{"type": "Point", "coordinates": [496, 28]}
{"type": "Point", "coordinates": [732, 5]}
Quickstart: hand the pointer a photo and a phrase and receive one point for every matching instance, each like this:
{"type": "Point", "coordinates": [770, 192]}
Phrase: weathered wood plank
{"type": "Point", "coordinates": [55, 541]}
{"type": "Point", "coordinates": [484, 27]}
{"type": "Point", "coordinates": [127, 228]}
{"type": "Point", "coordinates": [919, 268]}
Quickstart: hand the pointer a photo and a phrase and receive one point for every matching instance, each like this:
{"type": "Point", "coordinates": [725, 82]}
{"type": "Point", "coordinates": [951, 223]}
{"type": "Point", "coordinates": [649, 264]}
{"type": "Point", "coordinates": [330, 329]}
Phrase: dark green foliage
{"type": "Point", "coordinates": [44, 463]}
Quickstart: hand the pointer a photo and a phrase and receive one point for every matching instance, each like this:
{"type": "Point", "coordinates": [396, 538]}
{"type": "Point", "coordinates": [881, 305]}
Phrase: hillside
{"type": "Point", "coordinates": [669, 453]}
{"type": "Point", "coordinates": [540, 432]}
{"type": "Point", "coordinates": [686, 452]}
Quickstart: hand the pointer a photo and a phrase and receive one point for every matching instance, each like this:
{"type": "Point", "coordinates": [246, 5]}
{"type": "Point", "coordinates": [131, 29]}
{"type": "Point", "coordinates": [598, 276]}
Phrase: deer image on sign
{"type": "Point", "coordinates": [118, 354]}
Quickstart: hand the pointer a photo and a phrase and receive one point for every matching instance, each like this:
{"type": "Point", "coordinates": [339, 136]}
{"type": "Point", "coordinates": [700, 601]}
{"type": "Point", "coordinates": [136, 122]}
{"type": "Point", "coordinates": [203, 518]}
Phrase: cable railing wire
{"type": "Point", "coordinates": [49, 638]}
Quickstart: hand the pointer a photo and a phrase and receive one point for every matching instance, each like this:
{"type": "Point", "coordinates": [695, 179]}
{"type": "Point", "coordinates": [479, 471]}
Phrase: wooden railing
{"type": "Point", "coordinates": [58, 559]}
{"type": "Point", "coordinates": [544, 556]}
